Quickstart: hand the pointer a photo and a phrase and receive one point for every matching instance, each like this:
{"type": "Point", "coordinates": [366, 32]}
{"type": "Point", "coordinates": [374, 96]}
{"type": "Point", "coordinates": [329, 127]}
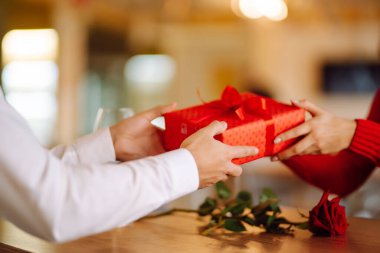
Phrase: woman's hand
{"type": "Point", "coordinates": [136, 137]}
{"type": "Point", "coordinates": [325, 133]}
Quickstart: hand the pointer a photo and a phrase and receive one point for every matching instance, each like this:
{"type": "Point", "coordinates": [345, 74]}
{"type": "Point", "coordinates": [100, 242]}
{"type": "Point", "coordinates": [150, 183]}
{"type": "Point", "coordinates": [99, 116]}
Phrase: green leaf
{"type": "Point", "coordinates": [235, 210]}
{"type": "Point", "coordinates": [275, 208]}
{"type": "Point", "coordinates": [267, 194]}
{"type": "Point", "coordinates": [270, 220]}
{"type": "Point", "coordinates": [281, 220]}
{"type": "Point", "coordinates": [244, 197]}
{"type": "Point", "coordinates": [263, 207]}
{"type": "Point", "coordinates": [207, 207]}
{"type": "Point", "coordinates": [249, 220]}
{"type": "Point", "coordinates": [304, 225]}
{"type": "Point", "coordinates": [222, 190]}
{"type": "Point", "coordinates": [234, 225]}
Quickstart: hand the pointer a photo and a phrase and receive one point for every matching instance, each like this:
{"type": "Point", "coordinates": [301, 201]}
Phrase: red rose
{"type": "Point", "coordinates": [328, 217]}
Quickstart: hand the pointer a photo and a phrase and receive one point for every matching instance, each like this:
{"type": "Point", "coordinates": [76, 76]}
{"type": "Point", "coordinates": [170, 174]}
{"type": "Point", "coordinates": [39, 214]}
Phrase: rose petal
{"type": "Point", "coordinates": [328, 217]}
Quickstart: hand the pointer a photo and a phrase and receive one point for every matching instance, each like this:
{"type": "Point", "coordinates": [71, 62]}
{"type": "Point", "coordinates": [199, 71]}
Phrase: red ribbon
{"type": "Point", "coordinates": [232, 102]}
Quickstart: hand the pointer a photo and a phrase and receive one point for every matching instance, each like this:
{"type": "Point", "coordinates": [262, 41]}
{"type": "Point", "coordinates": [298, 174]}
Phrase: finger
{"type": "Point", "coordinates": [312, 150]}
{"type": "Point", "coordinates": [215, 128]}
{"type": "Point", "coordinates": [157, 111]}
{"type": "Point", "coordinates": [223, 178]}
{"type": "Point", "coordinates": [296, 149]}
{"type": "Point", "coordinates": [242, 151]}
{"type": "Point", "coordinates": [234, 170]}
{"type": "Point", "coordinates": [308, 106]}
{"type": "Point", "coordinates": [300, 130]}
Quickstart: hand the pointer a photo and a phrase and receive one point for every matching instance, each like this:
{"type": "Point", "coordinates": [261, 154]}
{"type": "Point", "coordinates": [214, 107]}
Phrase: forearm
{"type": "Point", "coordinates": [93, 148]}
{"type": "Point", "coordinates": [64, 199]}
{"type": "Point", "coordinates": [60, 202]}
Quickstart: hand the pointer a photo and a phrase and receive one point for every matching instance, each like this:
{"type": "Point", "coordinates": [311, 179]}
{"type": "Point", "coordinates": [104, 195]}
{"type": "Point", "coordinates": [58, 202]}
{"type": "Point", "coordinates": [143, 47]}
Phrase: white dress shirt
{"type": "Point", "coordinates": [78, 190]}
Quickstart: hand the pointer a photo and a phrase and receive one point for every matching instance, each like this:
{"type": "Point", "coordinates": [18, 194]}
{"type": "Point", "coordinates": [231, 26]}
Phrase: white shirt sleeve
{"type": "Point", "coordinates": [61, 201]}
{"type": "Point", "coordinates": [93, 148]}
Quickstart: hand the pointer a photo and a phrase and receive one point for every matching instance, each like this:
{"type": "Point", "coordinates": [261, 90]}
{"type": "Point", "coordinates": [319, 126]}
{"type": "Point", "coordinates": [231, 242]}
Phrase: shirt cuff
{"type": "Point", "coordinates": [366, 140]}
{"type": "Point", "coordinates": [95, 148]}
{"type": "Point", "coordinates": [183, 171]}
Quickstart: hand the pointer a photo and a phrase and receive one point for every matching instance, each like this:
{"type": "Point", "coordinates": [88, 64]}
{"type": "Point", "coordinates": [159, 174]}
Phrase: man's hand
{"type": "Point", "coordinates": [213, 158]}
{"type": "Point", "coordinates": [325, 133]}
{"type": "Point", "coordinates": [136, 137]}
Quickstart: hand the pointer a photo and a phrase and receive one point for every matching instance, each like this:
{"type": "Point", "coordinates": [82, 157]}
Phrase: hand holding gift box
{"type": "Point", "coordinates": [252, 121]}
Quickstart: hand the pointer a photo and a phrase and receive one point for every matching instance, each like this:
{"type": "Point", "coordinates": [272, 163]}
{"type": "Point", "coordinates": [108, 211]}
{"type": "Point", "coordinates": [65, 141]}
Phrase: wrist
{"type": "Point", "coordinates": [192, 153]}
{"type": "Point", "coordinates": [350, 128]}
{"type": "Point", "coordinates": [114, 134]}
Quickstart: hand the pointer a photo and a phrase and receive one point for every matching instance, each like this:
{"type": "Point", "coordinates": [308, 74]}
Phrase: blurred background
{"type": "Point", "coordinates": [61, 60]}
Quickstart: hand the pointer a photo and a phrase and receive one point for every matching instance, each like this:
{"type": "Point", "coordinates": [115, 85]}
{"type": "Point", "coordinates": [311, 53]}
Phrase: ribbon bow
{"type": "Point", "coordinates": [232, 102]}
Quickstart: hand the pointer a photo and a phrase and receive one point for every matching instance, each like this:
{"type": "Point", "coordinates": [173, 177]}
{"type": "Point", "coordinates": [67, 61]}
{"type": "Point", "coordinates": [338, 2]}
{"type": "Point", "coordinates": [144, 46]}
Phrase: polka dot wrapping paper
{"type": "Point", "coordinates": [252, 120]}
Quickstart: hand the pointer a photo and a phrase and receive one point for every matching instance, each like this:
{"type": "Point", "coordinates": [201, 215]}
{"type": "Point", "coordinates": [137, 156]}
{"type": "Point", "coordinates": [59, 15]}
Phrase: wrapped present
{"type": "Point", "coordinates": [252, 121]}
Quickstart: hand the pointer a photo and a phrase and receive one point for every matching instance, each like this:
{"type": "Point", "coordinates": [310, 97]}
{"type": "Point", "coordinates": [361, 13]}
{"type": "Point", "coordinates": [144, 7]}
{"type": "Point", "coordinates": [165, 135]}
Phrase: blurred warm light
{"type": "Point", "coordinates": [34, 105]}
{"type": "Point", "coordinates": [39, 109]}
{"type": "Point", "coordinates": [30, 75]}
{"type": "Point", "coordinates": [150, 73]}
{"type": "Point", "coordinates": [275, 10]}
{"type": "Point", "coordinates": [235, 6]}
{"type": "Point", "coordinates": [250, 8]}
{"type": "Point", "coordinates": [34, 44]}
{"type": "Point", "coordinates": [279, 11]}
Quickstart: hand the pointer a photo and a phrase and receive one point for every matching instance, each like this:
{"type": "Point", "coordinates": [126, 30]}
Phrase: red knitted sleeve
{"type": "Point", "coordinates": [348, 170]}
{"type": "Point", "coordinates": [366, 141]}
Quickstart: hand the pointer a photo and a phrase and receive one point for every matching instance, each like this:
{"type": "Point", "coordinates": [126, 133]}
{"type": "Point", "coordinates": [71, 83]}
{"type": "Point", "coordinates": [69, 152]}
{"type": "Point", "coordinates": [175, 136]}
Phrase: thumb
{"type": "Point", "coordinates": [215, 128]}
{"type": "Point", "coordinates": [157, 111]}
{"type": "Point", "coordinates": [310, 107]}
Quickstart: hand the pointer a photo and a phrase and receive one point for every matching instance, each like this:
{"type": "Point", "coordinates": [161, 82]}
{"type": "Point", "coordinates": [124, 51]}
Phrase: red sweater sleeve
{"type": "Point", "coordinates": [366, 141]}
{"type": "Point", "coordinates": [345, 172]}
{"type": "Point", "coordinates": [340, 174]}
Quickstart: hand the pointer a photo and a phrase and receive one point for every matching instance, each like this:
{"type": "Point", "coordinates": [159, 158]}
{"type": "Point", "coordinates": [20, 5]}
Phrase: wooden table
{"type": "Point", "coordinates": [179, 233]}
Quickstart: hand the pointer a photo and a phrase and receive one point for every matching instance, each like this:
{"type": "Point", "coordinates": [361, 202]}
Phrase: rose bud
{"type": "Point", "coordinates": [328, 217]}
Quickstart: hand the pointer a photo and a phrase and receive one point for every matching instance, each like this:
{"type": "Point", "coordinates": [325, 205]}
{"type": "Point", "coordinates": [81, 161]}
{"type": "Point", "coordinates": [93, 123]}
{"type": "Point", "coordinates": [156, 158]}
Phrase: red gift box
{"type": "Point", "coordinates": [252, 121]}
